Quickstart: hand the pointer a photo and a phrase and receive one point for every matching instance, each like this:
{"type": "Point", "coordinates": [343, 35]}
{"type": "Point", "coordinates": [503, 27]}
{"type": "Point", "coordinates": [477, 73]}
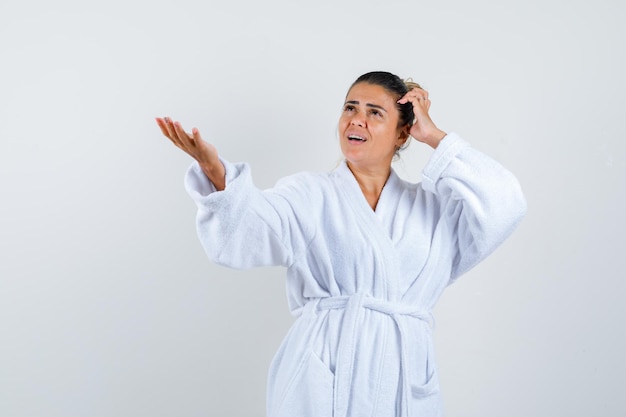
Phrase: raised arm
{"type": "Point", "coordinates": [481, 202]}
{"type": "Point", "coordinates": [203, 152]}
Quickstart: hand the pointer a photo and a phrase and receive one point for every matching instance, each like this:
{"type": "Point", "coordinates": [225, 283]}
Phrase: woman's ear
{"type": "Point", "coordinates": [404, 135]}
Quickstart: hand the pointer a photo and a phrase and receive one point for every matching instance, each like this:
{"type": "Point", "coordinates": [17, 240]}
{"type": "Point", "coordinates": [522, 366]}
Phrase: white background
{"type": "Point", "coordinates": [108, 306]}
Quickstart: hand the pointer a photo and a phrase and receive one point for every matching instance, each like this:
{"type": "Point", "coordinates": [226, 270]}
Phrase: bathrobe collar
{"type": "Point", "coordinates": [352, 186]}
{"type": "Point", "coordinates": [375, 223]}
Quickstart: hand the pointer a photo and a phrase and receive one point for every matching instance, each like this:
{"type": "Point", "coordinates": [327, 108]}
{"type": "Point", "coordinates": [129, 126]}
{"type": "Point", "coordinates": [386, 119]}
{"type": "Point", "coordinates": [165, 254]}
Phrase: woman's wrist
{"type": "Point", "coordinates": [435, 137]}
{"type": "Point", "coordinates": [215, 172]}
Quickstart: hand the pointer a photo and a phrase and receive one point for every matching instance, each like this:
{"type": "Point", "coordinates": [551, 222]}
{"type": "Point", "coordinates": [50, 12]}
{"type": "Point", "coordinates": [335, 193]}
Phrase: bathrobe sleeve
{"type": "Point", "coordinates": [243, 226]}
{"type": "Point", "coordinates": [479, 200]}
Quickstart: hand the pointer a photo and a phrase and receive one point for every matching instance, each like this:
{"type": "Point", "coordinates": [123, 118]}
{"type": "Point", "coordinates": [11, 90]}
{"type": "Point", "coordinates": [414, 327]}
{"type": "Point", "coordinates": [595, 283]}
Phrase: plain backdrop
{"type": "Point", "coordinates": [108, 305]}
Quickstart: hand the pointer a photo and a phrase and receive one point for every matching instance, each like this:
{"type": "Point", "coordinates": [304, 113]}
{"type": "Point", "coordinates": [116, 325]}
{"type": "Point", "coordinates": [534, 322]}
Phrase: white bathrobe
{"type": "Point", "coordinates": [362, 283]}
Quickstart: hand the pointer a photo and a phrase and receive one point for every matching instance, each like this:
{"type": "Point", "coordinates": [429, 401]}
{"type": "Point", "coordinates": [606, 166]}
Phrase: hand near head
{"type": "Point", "coordinates": [198, 149]}
{"type": "Point", "coordinates": [423, 129]}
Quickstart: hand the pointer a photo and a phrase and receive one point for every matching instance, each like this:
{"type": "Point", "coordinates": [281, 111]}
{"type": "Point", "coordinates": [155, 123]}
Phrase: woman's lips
{"type": "Point", "coordinates": [356, 138]}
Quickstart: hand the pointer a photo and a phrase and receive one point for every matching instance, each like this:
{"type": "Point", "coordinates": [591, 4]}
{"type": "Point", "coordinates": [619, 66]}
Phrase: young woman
{"type": "Point", "coordinates": [367, 254]}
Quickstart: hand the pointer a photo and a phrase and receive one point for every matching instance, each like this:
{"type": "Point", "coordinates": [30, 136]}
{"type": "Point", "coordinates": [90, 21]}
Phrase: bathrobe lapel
{"type": "Point", "coordinates": [375, 223]}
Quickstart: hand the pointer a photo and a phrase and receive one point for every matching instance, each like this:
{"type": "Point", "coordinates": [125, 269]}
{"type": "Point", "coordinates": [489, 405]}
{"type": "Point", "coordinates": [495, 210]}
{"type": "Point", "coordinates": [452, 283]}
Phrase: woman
{"type": "Point", "coordinates": [367, 254]}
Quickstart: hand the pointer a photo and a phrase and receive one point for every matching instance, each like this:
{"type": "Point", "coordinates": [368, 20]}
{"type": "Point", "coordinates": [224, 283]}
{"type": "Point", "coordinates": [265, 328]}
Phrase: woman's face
{"type": "Point", "coordinates": [368, 127]}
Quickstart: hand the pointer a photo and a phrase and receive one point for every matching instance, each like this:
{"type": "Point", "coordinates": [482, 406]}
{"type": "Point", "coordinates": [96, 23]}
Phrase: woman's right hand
{"type": "Point", "coordinates": [198, 149]}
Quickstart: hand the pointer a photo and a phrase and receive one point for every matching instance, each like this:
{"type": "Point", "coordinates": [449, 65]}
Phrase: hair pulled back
{"type": "Point", "coordinates": [396, 87]}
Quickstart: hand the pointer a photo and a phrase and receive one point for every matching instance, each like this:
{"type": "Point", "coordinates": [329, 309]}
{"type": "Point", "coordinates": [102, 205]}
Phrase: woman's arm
{"type": "Point", "coordinates": [481, 202]}
{"type": "Point", "coordinates": [241, 226]}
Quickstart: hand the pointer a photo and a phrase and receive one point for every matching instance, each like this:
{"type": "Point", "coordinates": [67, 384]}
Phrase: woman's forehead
{"type": "Point", "coordinates": [371, 93]}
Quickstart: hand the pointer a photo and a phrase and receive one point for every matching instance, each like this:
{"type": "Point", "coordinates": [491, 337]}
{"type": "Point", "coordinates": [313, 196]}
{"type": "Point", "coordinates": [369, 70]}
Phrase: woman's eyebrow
{"type": "Point", "coordinates": [376, 106]}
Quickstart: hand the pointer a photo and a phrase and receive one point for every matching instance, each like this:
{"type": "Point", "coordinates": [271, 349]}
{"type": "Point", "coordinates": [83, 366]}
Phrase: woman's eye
{"type": "Point", "coordinates": [349, 107]}
{"type": "Point", "coordinates": [375, 112]}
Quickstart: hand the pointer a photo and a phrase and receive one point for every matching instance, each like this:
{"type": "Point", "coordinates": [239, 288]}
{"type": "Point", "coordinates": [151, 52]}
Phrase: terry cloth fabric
{"type": "Point", "coordinates": [362, 282]}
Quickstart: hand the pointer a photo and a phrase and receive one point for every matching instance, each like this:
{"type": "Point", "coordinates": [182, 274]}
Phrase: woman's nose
{"type": "Point", "coordinates": [357, 121]}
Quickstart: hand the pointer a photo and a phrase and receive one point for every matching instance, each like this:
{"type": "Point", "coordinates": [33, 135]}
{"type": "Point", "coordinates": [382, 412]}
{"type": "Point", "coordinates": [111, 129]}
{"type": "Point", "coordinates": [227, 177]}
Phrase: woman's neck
{"type": "Point", "coordinates": [371, 182]}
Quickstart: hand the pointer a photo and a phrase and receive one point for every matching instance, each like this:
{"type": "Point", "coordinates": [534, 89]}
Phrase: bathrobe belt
{"type": "Point", "coordinates": [353, 306]}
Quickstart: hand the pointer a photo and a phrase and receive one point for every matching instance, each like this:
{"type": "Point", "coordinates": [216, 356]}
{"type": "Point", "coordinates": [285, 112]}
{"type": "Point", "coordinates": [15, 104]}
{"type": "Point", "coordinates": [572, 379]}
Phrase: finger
{"type": "Point", "coordinates": [174, 132]}
{"type": "Point", "coordinates": [182, 135]}
{"type": "Point", "coordinates": [419, 92]}
{"type": "Point", "coordinates": [418, 103]}
{"type": "Point", "coordinates": [161, 124]}
{"type": "Point", "coordinates": [169, 125]}
{"type": "Point", "coordinates": [196, 136]}
{"type": "Point", "coordinates": [403, 99]}
{"type": "Point", "coordinates": [415, 92]}
{"type": "Point", "coordinates": [420, 108]}
{"type": "Point", "coordinates": [407, 97]}
{"type": "Point", "coordinates": [415, 98]}
{"type": "Point", "coordinates": [423, 108]}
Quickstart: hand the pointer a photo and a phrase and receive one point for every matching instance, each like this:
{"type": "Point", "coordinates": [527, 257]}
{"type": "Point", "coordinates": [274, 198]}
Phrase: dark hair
{"type": "Point", "coordinates": [395, 86]}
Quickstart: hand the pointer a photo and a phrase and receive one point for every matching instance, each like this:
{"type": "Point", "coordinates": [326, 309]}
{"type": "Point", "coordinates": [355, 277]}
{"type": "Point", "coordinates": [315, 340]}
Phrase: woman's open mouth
{"type": "Point", "coordinates": [356, 138]}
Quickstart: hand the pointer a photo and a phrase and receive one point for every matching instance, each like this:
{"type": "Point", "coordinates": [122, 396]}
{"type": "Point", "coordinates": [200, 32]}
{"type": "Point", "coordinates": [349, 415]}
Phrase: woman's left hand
{"type": "Point", "coordinates": [423, 129]}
